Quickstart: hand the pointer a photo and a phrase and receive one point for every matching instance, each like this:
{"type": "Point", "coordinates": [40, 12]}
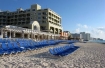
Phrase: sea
{"type": "Point", "coordinates": [97, 41]}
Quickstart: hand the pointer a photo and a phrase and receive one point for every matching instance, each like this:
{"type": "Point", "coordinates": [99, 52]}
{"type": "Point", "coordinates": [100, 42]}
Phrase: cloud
{"type": "Point", "coordinates": [85, 26]}
{"type": "Point", "coordinates": [77, 30]}
{"type": "Point", "coordinates": [82, 26]}
{"type": "Point", "coordinates": [98, 32]}
{"type": "Point", "coordinates": [101, 28]}
{"type": "Point", "coordinates": [79, 25]}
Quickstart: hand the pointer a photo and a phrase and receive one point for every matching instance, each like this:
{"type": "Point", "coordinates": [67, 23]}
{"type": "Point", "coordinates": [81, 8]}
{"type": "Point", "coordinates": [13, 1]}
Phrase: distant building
{"type": "Point", "coordinates": [68, 32]}
{"type": "Point", "coordinates": [85, 36]}
{"type": "Point", "coordinates": [75, 35]}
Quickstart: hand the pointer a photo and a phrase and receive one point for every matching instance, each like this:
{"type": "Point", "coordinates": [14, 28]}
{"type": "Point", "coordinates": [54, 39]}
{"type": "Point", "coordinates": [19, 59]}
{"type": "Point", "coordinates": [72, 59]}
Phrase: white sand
{"type": "Point", "coordinates": [89, 55]}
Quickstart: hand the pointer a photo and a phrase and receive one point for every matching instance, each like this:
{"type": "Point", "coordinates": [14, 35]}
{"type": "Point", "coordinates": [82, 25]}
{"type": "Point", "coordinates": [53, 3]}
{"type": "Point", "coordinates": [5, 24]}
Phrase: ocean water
{"type": "Point", "coordinates": [98, 41]}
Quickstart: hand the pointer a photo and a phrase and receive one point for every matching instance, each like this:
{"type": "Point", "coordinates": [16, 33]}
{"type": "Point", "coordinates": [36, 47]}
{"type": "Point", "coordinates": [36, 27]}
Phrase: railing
{"type": "Point", "coordinates": [19, 29]}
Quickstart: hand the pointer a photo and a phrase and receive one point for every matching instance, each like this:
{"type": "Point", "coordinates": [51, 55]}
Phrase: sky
{"type": "Point", "coordinates": [77, 15]}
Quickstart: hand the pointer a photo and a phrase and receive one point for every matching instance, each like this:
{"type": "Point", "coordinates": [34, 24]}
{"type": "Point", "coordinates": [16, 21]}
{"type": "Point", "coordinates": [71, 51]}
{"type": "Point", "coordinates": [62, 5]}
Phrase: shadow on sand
{"type": "Point", "coordinates": [50, 56]}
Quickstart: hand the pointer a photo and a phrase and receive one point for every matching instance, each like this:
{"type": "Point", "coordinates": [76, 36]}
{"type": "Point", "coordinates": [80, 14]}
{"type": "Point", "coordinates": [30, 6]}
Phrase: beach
{"type": "Point", "coordinates": [88, 55]}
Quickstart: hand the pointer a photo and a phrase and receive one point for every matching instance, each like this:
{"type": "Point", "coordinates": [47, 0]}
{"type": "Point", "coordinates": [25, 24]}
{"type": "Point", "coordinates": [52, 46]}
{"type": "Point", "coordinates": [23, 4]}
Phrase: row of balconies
{"type": "Point", "coordinates": [28, 15]}
{"type": "Point", "coordinates": [3, 17]}
{"type": "Point", "coordinates": [16, 13]}
{"type": "Point", "coordinates": [23, 13]}
{"type": "Point", "coordinates": [54, 20]}
{"type": "Point", "coordinates": [14, 23]}
{"type": "Point", "coordinates": [42, 13]}
{"type": "Point", "coordinates": [3, 20]}
{"type": "Point", "coordinates": [42, 17]}
{"type": "Point", "coordinates": [55, 23]}
{"type": "Point", "coordinates": [19, 19]}
{"type": "Point", "coordinates": [44, 21]}
{"type": "Point", "coordinates": [53, 15]}
{"type": "Point", "coordinates": [16, 16]}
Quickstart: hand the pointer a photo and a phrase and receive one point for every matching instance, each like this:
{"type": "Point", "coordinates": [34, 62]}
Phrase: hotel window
{"type": "Point", "coordinates": [28, 10]}
{"type": "Point", "coordinates": [44, 13]}
{"type": "Point", "coordinates": [44, 21]}
{"type": "Point", "coordinates": [39, 17]}
{"type": "Point", "coordinates": [33, 9]}
{"type": "Point", "coordinates": [39, 13]}
{"type": "Point", "coordinates": [44, 17]}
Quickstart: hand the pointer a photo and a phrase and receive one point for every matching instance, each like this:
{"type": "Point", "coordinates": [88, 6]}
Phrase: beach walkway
{"type": "Point", "coordinates": [89, 55]}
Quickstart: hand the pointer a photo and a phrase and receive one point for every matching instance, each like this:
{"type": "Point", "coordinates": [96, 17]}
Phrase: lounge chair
{"type": "Point", "coordinates": [6, 49]}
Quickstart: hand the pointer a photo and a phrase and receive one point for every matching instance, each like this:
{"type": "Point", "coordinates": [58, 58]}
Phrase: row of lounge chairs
{"type": "Point", "coordinates": [63, 50]}
{"type": "Point", "coordinates": [10, 46]}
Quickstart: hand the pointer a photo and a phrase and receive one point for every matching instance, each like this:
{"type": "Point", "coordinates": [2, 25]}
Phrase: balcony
{"type": "Point", "coordinates": [2, 17]}
{"type": "Point", "coordinates": [28, 15]}
{"type": "Point", "coordinates": [44, 17]}
{"type": "Point", "coordinates": [22, 12]}
{"type": "Point", "coordinates": [49, 13]}
{"type": "Point", "coordinates": [44, 13]}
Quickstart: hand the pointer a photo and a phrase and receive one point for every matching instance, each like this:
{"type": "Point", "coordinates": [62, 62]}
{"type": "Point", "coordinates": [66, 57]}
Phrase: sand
{"type": "Point", "coordinates": [89, 55]}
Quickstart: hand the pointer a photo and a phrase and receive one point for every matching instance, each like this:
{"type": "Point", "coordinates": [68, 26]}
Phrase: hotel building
{"type": "Point", "coordinates": [85, 36]}
{"type": "Point", "coordinates": [47, 19]}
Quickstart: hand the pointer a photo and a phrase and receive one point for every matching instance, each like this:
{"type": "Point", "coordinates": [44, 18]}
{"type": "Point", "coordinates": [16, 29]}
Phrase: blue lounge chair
{"type": "Point", "coordinates": [52, 52]}
{"type": "Point", "coordinates": [26, 46]}
{"type": "Point", "coordinates": [6, 49]}
{"type": "Point", "coordinates": [11, 47]}
{"type": "Point", "coordinates": [2, 52]}
{"type": "Point", "coordinates": [59, 50]}
{"type": "Point", "coordinates": [32, 46]}
{"type": "Point", "coordinates": [17, 47]}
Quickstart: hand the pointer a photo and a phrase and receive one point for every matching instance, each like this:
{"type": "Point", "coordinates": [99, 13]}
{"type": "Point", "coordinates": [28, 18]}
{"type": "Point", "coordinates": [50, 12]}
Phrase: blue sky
{"type": "Point", "coordinates": [77, 15]}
